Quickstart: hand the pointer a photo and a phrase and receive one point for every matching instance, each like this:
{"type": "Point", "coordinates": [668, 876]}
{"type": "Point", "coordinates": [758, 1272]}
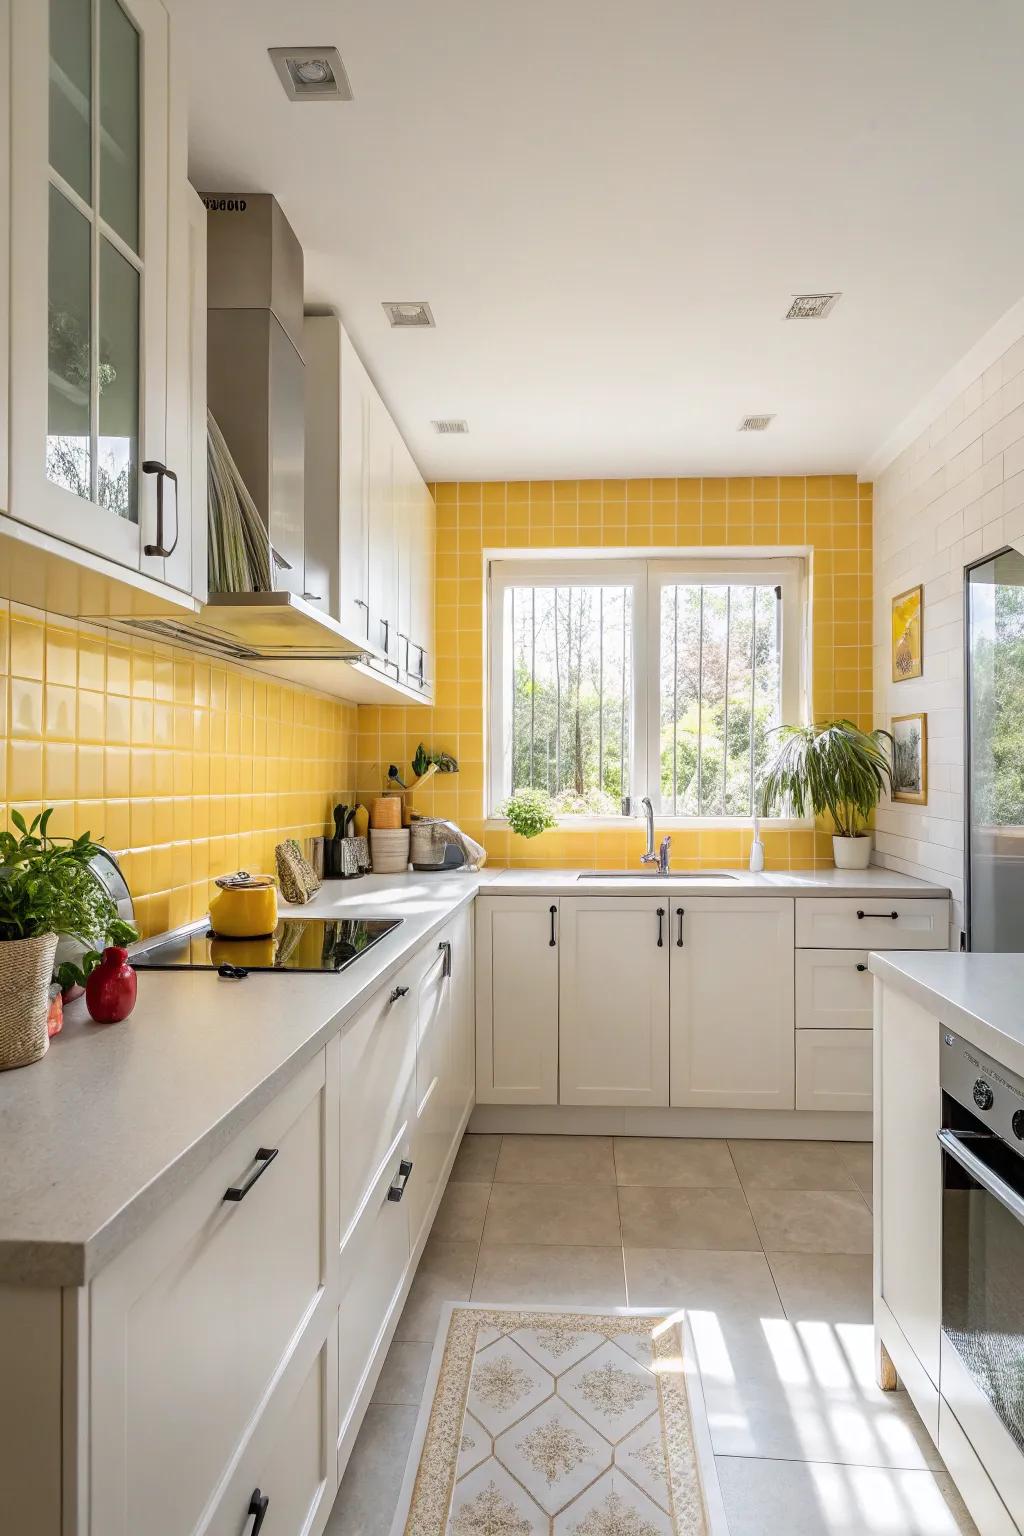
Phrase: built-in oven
{"type": "Point", "coordinates": [982, 1346]}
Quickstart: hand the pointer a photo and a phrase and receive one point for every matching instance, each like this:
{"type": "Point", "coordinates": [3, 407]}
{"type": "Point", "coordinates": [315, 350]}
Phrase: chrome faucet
{"type": "Point", "coordinates": [649, 856]}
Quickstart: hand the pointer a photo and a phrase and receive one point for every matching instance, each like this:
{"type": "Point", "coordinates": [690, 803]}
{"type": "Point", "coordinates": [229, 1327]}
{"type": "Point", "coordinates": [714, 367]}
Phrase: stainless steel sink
{"type": "Point", "coordinates": [702, 875]}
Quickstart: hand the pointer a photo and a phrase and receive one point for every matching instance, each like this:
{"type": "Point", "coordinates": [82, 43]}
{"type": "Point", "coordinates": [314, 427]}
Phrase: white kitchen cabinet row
{"type": "Point", "coordinates": [695, 1002]}
{"type": "Point", "coordinates": [226, 1356]}
{"type": "Point", "coordinates": [103, 439]}
{"type": "Point", "coordinates": [370, 507]}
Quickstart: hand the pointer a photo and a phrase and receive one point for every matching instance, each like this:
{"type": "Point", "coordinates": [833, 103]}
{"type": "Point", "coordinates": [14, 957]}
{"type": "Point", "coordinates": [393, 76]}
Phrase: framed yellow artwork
{"type": "Point", "coordinates": [910, 759]}
{"type": "Point", "coordinates": [907, 658]}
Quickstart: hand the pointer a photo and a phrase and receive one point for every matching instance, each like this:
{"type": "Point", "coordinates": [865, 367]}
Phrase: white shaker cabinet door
{"type": "Point", "coordinates": [613, 1000]}
{"type": "Point", "coordinates": [517, 1000]}
{"type": "Point", "coordinates": [732, 1002]}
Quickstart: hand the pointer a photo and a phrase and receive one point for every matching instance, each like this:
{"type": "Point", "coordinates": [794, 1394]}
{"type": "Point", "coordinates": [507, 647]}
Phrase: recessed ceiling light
{"type": "Point", "coordinates": [812, 306]}
{"type": "Point", "coordinates": [449, 426]}
{"type": "Point", "coordinates": [312, 74]}
{"type": "Point", "coordinates": [409, 313]}
{"type": "Point", "coordinates": [755, 423]}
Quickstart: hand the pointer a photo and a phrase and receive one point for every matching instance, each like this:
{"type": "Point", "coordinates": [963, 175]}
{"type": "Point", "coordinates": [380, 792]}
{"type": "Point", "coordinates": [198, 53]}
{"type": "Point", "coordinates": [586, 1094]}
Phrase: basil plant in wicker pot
{"type": "Point", "coordinates": [47, 890]}
{"type": "Point", "coordinates": [837, 768]}
{"type": "Point", "coordinates": [529, 812]}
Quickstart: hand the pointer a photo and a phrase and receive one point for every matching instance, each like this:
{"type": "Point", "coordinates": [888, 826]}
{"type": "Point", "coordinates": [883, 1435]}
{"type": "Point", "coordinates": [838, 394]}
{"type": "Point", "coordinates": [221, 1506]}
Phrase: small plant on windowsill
{"type": "Point", "coordinates": [835, 767]}
{"type": "Point", "coordinates": [529, 812]}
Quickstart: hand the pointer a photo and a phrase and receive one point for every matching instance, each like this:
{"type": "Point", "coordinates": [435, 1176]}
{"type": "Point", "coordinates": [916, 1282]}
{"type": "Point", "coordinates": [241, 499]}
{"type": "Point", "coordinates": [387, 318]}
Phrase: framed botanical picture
{"type": "Point", "coordinates": [910, 759]}
{"type": "Point", "coordinates": [907, 609]}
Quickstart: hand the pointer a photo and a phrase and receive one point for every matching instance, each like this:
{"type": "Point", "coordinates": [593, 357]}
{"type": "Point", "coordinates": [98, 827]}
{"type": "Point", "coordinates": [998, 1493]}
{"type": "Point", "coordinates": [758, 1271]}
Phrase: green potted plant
{"type": "Point", "coordinates": [47, 889]}
{"type": "Point", "coordinates": [529, 812]}
{"type": "Point", "coordinates": [837, 768]}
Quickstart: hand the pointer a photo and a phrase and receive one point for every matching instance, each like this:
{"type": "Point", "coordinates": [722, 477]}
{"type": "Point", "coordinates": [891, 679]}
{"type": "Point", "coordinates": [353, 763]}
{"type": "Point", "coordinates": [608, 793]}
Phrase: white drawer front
{"type": "Point", "coordinates": [290, 1460]}
{"type": "Point", "coordinates": [830, 922]}
{"type": "Point", "coordinates": [378, 1066]}
{"type": "Point", "coordinates": [833, 989]}
{"type": "Point", "coordinates": [833, 1069]}
{"type": "Point", "coordinates": [373, 1265]}
{"type": "Point", "coordinates": [190, 1323]}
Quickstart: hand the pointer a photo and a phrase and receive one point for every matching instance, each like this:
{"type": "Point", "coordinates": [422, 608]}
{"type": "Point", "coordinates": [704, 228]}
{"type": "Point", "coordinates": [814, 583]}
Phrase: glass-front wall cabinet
{"type": "Point", "coordinates": [89, 254]}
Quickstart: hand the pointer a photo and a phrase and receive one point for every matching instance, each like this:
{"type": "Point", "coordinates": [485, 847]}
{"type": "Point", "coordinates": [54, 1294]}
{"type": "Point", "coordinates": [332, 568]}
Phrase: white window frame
{"type": "Point", "coordinates": [647, 573]}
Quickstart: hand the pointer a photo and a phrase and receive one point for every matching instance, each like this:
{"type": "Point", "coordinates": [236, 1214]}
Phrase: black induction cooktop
{"type": "Point", "coordinates": [297, 944]}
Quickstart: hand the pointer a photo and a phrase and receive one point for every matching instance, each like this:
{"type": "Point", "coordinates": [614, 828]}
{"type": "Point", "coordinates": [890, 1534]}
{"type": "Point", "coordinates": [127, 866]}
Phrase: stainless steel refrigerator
{"type": "Point", "coordinates": [995, 752]}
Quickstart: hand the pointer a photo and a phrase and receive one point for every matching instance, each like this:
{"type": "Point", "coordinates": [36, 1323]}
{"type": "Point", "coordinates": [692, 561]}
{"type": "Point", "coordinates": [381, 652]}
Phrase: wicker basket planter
{"type": "Point", "coordinates": [26, 968]}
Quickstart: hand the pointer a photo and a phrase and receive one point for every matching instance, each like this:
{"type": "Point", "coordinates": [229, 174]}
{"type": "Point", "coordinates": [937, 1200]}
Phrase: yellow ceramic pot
{"type": "Point", "coordinates": [245, 906]}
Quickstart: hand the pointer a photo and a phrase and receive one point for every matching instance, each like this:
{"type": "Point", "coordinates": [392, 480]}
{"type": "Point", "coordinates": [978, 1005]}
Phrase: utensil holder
{"type": "Point", "coordinates": [389, 850]}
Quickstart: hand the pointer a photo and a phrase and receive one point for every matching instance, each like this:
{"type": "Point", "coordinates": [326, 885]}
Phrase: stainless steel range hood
{"type": "Point", "coordinates": [256, 626]}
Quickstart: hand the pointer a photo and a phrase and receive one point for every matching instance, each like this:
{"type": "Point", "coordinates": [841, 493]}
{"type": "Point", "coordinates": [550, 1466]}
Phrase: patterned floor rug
{"type": "Point", "coordinates": [557, 1423]}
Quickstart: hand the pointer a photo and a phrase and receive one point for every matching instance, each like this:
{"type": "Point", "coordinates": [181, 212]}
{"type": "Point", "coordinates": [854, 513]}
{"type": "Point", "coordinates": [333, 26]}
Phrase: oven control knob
{"type": "Point", "coordinates": [983, 1095]}
{"type": "Point", "coordinates": [1017, 1124]}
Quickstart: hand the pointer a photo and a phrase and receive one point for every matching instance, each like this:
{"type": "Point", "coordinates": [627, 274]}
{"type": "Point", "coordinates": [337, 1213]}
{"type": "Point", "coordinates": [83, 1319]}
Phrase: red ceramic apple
{"type": "Point", "coordinates": [111, 988]}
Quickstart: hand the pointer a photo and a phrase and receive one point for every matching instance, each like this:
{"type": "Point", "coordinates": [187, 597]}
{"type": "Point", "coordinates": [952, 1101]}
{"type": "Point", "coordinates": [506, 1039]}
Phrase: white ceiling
{"type": "Point", "coordinates": [608, 207]}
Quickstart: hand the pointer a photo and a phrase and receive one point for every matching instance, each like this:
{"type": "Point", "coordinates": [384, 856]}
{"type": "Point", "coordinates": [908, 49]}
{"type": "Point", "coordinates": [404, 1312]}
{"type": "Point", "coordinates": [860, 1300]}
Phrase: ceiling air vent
{"type": "Point", "coordinates": [414, 315]}
{"type": "Point", "coordinates": [449, 426]}
{"type": "Point", "coordinates": [812, 306]}
{"type": "Point", "coordinates": [755, 423]}
{"type": "Point", "coordinates": [311, 74]}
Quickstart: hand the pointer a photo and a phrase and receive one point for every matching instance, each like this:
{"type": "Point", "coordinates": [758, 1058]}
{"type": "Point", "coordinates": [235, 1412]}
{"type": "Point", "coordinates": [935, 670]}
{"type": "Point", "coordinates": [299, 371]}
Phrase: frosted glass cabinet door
{"type": "Point", "coordinates": [89, 190]}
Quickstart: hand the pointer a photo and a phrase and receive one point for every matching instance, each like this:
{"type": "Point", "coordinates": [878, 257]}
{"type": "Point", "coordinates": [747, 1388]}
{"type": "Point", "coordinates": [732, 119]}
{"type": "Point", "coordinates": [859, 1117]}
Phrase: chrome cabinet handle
{"type": "Point", "coordinates": [258, 1505]}
{"type": "Point", "coordinates": [893, 915]}
{"type": "Point", "coordinates": [553, 910]}
{"type": "Point", "coordinates": [661, 914]}
{"type": "Point", "coordinates": [679, 935]}
{"type": "Point", "coordinates": [397, 1189]}
{"type": "Point", "coordinates": [264, 1157]}
{"type": "Point", "coordinates": [154, 467]}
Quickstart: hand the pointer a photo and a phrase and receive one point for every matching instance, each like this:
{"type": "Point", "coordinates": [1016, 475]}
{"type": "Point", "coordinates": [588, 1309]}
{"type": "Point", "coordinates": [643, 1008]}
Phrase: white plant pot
{"type": "Point", "coordinates": [852, 852]}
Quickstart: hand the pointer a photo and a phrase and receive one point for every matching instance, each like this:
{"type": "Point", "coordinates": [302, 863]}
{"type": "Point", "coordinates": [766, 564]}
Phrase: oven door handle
{"type": "Point", "coordinates": [982, 1174]}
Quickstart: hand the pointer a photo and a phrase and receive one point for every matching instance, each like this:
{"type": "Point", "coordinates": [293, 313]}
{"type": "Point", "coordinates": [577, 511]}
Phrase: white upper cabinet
{"type": "Point", "coordinates": [613, 1000]}
{"type": "Point", "coordinates": [732, 1002]}
{"type": "Point", "coordinates": [106, 267]}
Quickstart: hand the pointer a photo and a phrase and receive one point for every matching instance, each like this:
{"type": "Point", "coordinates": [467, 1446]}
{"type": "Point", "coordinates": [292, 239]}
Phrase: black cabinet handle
{"type": "Point", "coordinates": [397, 1189]}
{"type": "Point", "coordinates": [422, 665]}
{"type": "Point", "coordinates": [397, 993]}
{"type": "Point", "coordinates": [861, 966]}
{"type": "Point", "coordinates": [258, 1505]}
{"type": "Point", "coordinates": [553, 910]}
{"type": "Point", "coordinates": [446, 949]}
{"type": "Point", "coordinates": [893, 915]}
{"type": "Point", "coordinates": [679, 935]}
{"type": "Point", "coordinates": [154, 467]}
{"type": "Point", "coordinates": [385, 625]}
{"type": "Point", "coordinates": [661, 915]}
{"type": "Point", "coordinates": [264, 1157]}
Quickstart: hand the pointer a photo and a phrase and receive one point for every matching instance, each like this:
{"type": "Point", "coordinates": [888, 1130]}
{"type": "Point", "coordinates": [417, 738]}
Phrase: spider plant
{"type": "Point", "coordinates": [835, 767]}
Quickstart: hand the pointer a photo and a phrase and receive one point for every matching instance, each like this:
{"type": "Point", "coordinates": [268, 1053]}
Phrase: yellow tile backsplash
{"type": "Point", "coordinates": [830, 514]}
{"type": "Point", "coordinates": [185, 768]}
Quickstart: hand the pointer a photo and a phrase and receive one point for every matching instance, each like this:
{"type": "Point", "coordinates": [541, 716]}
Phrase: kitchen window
{"type": "Point", "coordinates": [612, 679]}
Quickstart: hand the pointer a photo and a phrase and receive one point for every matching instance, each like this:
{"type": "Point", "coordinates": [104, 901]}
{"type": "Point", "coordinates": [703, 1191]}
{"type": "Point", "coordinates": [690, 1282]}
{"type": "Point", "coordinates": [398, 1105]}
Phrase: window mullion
{"type": "Point", "coordinates": [94, 259]}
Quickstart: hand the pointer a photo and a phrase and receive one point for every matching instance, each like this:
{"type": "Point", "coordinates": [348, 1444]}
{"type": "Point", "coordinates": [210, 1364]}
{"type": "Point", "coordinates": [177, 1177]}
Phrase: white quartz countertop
{"type": "Point", "coordinates": [781, 882]}
{"type": "Point", "coordinates": [980, 997]}
{"type": "Point", "coordinates": [115, 1121]}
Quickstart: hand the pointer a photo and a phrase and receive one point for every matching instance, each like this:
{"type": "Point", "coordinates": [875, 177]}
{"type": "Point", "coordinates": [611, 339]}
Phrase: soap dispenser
{"type": "Point", "coordinates": [757, 849]}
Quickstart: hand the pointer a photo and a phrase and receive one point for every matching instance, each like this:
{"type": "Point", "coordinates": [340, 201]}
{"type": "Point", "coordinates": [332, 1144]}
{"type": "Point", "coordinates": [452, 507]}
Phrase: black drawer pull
{"type": "Point", "coordinates": [553, 910]}
{"type": "Point", "coordinates": [264, 1157]}
{"type": "Point", "coordinates": [397, 1189]}
{"type": "Point", "coordinates": [446, 949]}
{"type": "Point", "coordinates": [258, 1506]}
{"type": "Point", "coordinates": [861, 966]}
{"type": "Point", "coordinates": [397, 993]}
{"type": "Point", "coordinates": [893, 915]}
{"type": "Point", "coordinates": [679, 936]}
{"type": "Point", "coordinates": [661, 916]}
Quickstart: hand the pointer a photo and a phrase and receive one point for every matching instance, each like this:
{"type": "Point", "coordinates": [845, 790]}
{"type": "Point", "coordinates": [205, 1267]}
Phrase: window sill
{"type": "Point", "coordinates": [672, 823]}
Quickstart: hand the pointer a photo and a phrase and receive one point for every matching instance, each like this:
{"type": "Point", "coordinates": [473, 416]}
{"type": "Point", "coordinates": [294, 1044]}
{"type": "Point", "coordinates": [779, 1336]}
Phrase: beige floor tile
{"type": "Point", "coordinates": [533, 1272]}
{"type": "Point", "coordinates": [674, 1160]}
{"type": "Point", "coordinates": [475, 1160]}
{"type": "Point", "coordinates": [733, 1284]}
{"type": "Point", "coordinates": [824, 1287]}
{"type": "Point", "coordinates": [369, 1490]}
{"type": "Point", "coordinates": [445, 1274]}
{"type": "Point", "coordinates": [790, 1165]}
{"type": "Point", "coordinates": [460, 1216]}
{"type": "Point", "coordinates": [555, 1160]}
{"type": "Point", "coordinates": [561, 1214]}
{"type": "Point", "coordinates": [403, 1374]}
{"type": "Point", "coordinates": [791, 1498]}
{"type": "Point", "coordinates": [858, 1159]}
{"type": "Point", "coordinates": [685, 1218]}
{"type": "Point", "coordinates": [811, 1221]}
